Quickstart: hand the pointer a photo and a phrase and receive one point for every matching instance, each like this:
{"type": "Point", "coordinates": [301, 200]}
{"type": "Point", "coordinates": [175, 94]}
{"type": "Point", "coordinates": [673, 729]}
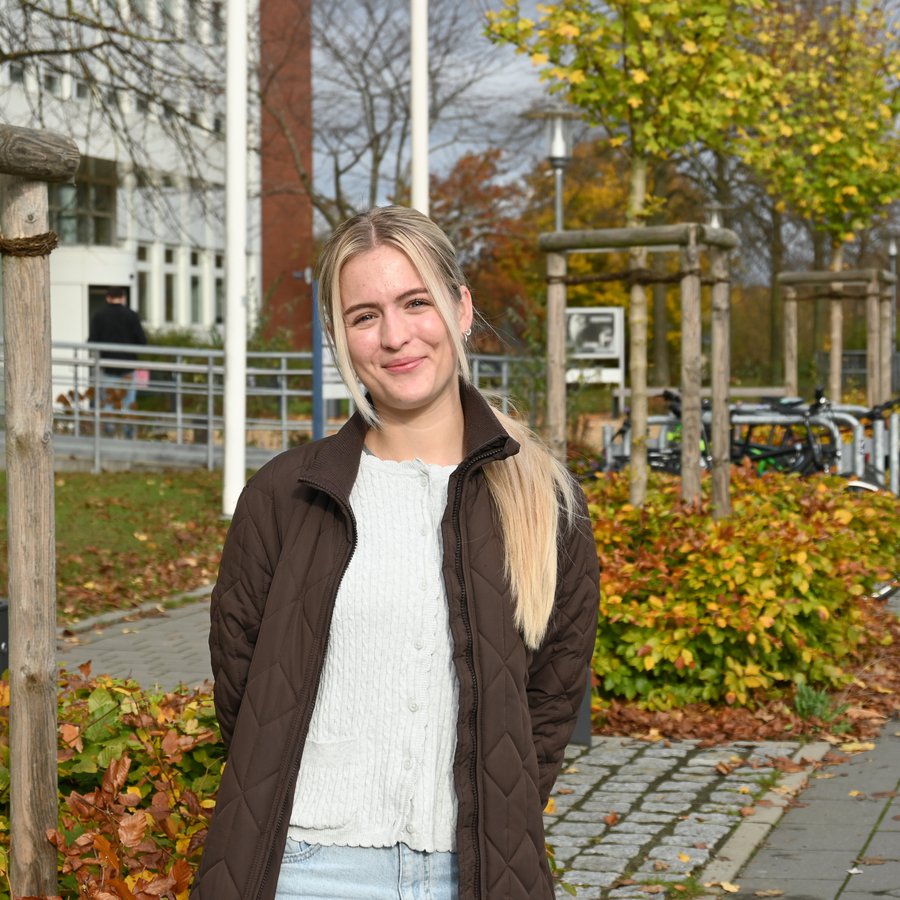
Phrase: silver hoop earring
{"type": "Point", "coordinates": [467, 334]}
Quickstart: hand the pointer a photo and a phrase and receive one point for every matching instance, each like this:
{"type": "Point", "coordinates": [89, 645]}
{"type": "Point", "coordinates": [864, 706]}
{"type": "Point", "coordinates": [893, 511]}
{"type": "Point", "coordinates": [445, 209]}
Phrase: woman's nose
{"type": "Point", "coordinates": [394, 329]}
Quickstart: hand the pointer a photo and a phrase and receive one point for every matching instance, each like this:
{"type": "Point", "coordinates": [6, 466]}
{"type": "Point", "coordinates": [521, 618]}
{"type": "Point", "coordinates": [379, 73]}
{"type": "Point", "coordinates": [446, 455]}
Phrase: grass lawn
{"type": "Point", "coordinates": [126, 538]}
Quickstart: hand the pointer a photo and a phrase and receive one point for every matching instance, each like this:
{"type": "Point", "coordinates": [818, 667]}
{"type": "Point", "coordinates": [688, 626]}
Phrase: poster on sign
{"type": "Point", "coordinates": [595, 332]}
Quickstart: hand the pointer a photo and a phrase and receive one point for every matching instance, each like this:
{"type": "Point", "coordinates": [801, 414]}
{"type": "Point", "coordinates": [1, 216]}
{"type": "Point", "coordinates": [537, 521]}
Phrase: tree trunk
{"type": "Point", "coordinates": [556, 355]}
{"type": "Point", "coordinates": [776, 347]}
{"type": "Point", "coordinates": [31, 536]}
{"type": "Point", "coordinates": [691, 371]}
{"type": "Point", "coordinates": [660, 329]}
{"type": "Point", "coordinates": [818, 304]}
{"type": "Point", "coordinates": [637, 320]}
{"type": "Point", "coordinates": [873, 344]}
{"type": "Point", "coordinates": [836, 351]}
{"type": "Point", "coordinates": [791, 383]}
{"type": "Point", "coordinates": [721, 370]}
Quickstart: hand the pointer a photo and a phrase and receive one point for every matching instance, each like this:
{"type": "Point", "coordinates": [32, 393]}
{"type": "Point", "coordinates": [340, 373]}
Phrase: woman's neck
{"type": "Point", "coordinates": [436, 439]}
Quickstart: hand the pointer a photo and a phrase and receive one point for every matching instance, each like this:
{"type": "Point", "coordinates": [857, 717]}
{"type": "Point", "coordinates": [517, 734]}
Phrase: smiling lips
{"type": "Point", "coordinates": [407, 364]}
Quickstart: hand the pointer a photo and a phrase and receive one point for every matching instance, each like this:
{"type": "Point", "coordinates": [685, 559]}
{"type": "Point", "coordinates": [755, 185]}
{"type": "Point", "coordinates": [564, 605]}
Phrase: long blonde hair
{"type": "Point", "coordinates": [532, 492]}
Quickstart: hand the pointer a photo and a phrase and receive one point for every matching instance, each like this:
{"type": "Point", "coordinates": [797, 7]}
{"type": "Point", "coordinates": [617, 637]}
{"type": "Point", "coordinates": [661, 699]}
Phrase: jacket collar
{"type": "Point", "coordinates": [335, 467]}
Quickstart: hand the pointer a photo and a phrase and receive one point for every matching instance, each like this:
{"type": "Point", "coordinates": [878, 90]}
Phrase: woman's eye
{"type": "Point", "coordinates": [417, 302]}
{"type": "Point", "coordinates": [362, 319]}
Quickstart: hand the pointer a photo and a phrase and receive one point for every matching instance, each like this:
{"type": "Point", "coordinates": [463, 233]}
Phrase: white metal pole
{"type": "Point", "coordinates": [235, 401]}
{"type": "Point", "coordinates": [419, 103]}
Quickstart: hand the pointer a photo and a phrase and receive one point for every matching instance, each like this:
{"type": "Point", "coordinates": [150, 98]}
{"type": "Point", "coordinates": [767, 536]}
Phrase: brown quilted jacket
{"type": "Point", "coordinates": [290, 540]}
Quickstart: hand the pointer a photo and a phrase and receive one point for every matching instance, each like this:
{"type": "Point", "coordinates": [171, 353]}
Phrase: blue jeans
{"type": "Point", "coordinates": [117, 396]}
{"type": "Point", "coordinates": [316, 872]}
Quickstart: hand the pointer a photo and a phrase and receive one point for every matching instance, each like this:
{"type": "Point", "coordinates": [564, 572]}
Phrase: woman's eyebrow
{"type": "Point", "coordinates": [368, 304]}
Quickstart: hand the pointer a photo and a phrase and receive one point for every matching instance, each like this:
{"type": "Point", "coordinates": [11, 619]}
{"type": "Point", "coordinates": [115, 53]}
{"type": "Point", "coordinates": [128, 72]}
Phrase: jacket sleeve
{"type": "Point", "coordinates": [238, 601]}
{"type": "Point", "coordinates": [559, 669]}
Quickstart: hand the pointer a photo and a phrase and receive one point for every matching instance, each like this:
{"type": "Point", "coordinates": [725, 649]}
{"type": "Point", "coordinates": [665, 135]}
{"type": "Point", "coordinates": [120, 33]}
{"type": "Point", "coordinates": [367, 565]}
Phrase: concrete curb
{"type": "Point", "coordinates": [737, 851]}
{"type": "Point", "coordinates": [114, 617]}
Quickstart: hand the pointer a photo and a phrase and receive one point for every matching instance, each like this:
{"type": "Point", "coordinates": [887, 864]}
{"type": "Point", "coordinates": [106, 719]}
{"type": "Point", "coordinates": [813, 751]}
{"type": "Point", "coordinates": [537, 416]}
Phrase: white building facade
{"type": "Point", "coordinates": [146, 211]}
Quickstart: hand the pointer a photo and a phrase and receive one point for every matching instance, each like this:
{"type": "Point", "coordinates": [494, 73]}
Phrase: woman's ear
{"type": "Point", "coordinates": [466, 312]}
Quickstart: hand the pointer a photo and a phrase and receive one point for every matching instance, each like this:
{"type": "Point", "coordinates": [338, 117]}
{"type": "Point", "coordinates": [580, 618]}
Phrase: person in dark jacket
{"type": "Point", "coordinates": [403, 617]}
{"type": "Point", "coordinates": [116, 323]}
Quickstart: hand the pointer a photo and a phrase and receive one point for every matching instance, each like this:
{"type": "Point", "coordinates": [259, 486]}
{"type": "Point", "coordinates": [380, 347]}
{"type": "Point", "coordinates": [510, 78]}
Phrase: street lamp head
{"type": "Point", "coordinates": [559, 118]}
{"type": "Point", "coordinates": [558, 134]}
{"type": "Point", "coordinates": [714, 213]}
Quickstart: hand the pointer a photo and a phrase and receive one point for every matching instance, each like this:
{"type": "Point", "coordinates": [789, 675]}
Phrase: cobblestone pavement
{"type": "Point", "coordinates": [630, 814]}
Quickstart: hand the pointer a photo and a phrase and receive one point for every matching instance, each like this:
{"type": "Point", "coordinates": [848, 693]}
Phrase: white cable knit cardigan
{"type": "Point", "coordinates": [377, 765]}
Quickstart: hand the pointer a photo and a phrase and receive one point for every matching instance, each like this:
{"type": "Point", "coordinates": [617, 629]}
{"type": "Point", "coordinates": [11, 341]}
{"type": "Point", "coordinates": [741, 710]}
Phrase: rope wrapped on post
{"type": "Point", "coordinates": [37, 245]}
{"type": "Point", "coordinates": [634, 276]}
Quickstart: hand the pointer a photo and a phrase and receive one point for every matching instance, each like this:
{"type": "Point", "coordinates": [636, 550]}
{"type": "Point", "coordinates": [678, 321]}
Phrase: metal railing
{"type": "Point", "coordinates": [180, 396]}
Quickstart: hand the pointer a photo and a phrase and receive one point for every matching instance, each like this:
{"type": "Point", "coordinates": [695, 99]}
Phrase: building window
{"type": "Point", "coordinates": [170, 285]}
{"type": "Point", "coordinates": [141, 103]}
{"type": "Point", "coordinates": [217, 22]}
{"type": "Point", "coordinates": [144, 281]}
{"type": "Point", "coordinates": [16, 73]}
{"type": "Point", "coordinates": [143, 292]}
{"type": "Point", "coordinates": [220, 300]}
{"type": "Point", "coordinates": [169, 315]}
{"type": "Point", "coordinates": [82, 91]}
{"type": "Point", "coordinates": [139, 10]}
{"type": "Point", "coordinates": [219, 289]}
{"type": "Point", "coordinates": [192, 19]}
{"type": "Point", "coordinates": [196, 295]}
{"type": "Point", "coordinates": [196, 301]}
{"type": "Point", "coordinates": [53, 83]}
{"type": "Point", "coordinates": [167, 13]}
{"type": "Point", "coordinates": [85, 212]}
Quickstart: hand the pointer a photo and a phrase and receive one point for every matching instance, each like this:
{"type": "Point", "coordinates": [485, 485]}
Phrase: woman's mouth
{"type": "Point", "coordinates": [407, 364]}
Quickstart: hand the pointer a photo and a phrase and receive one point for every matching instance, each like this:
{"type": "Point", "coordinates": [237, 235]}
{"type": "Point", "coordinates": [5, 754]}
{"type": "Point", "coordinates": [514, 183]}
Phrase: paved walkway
{"type": "Point", "coordinates": [631, 816]}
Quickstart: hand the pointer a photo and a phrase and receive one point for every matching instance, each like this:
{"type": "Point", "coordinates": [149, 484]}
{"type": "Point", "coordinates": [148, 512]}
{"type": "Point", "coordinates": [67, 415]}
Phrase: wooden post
{"type": "Point", "coordinates": [691, 370]}
{"type": "Point", "coordinates": [836, 353]}
{"type": "Point", "coordinates": [27, 159]}
{"type": "Point", "coordinates": [556, 354]}
{"type": "Point", "coordinates": [721, 368]}
{"type": "Point", "coordinates": [791, 380]}
{"type": "Point", "coordinates": [887, 343]}
{"type": "Point", "coordinates": [873, 343]}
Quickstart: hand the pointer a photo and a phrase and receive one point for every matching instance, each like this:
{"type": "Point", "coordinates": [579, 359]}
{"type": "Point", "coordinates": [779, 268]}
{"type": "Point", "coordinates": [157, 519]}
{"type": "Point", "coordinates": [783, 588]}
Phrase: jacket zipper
{"type": "Point", "coordinates": [470, 660]}
{"type": "Point", "coordinates": [308, 716]}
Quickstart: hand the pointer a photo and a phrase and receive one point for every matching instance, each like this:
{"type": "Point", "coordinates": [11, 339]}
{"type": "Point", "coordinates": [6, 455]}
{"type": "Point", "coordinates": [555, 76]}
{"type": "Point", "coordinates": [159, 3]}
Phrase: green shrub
{"type": "Point", "coordinates": [694, 610]}
{"type": "Point", "coordinates": [138, 773]}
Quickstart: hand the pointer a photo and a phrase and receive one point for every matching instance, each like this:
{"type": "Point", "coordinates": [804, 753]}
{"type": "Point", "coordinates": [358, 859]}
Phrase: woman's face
{"type": "Point", "coordinates": [398, 343]}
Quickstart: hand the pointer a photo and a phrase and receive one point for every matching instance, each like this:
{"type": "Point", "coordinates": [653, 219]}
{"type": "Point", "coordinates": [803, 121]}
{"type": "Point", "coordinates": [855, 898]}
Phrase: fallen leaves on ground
{"type": "Point", "coordinates": [873, 697]}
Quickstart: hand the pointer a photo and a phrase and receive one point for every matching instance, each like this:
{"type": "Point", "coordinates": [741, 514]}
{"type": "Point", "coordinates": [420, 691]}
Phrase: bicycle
{"type": "Point", "coordinates": [797, 439]}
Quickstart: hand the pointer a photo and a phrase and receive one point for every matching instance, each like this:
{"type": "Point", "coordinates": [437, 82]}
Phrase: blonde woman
{"type": "Point", "coordinates": [403, 617]}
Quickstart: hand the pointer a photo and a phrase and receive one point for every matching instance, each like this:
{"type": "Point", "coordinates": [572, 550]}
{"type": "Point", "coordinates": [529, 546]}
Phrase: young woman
{"type": "Point", "coordinates": [403, 618]}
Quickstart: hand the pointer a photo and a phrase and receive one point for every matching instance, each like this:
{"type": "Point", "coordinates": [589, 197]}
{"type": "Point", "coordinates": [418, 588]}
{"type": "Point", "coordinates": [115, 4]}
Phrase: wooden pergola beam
{"type": "Point", "coordinates": [875, 286]}
{"type": "Point", "coordinates": [860, 277]}
{"type": "Point", "coordinates": [690, 239]}
{"type": "Point", "coordinates": [599, 239]}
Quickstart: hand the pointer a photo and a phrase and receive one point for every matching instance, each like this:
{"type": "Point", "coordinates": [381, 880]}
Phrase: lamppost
{"type": "Point", "coordinates": [892, 258]}
{"type": "Point", "coordinates": [559, 148]}
{"type": "Point", "coordinates": [558, 118]}
{"type": "Point", "coordinates": [559, 155]}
